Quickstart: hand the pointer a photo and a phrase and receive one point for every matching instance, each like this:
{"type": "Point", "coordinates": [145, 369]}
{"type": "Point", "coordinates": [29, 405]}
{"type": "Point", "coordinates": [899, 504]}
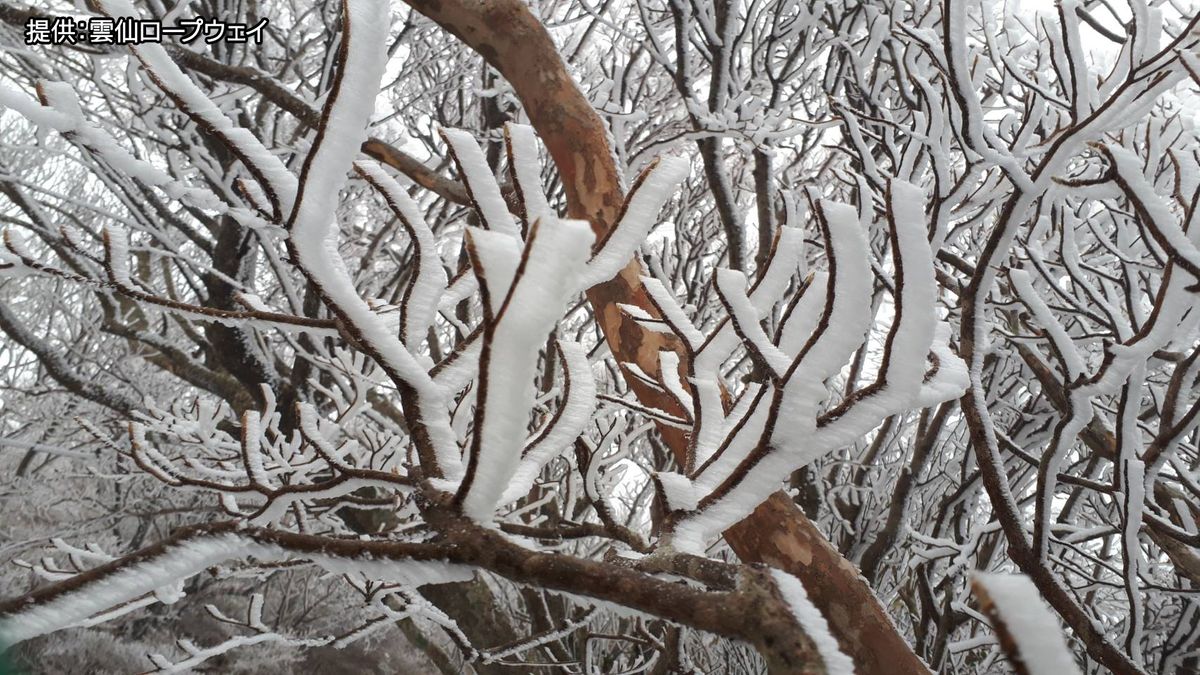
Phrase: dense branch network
{"type": "Point", "coordinates": [962, 329]}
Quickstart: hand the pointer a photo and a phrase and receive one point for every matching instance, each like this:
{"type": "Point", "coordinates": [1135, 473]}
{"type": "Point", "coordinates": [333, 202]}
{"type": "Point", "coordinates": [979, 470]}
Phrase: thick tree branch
{"type": "Point", "coordinates": [514, 42]}
{"type": "Point", "coordinates": [754, 611]}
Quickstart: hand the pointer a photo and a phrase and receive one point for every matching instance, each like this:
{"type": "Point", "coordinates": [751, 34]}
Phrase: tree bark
{"type": "Point", "coordinates": [744, 603]}
{"type": "Point", "coordinates": [517, 45]}
{"type": "Point", "coordinates": [765, 205]}
{"type": "Point", "coordinates": [474, 608]}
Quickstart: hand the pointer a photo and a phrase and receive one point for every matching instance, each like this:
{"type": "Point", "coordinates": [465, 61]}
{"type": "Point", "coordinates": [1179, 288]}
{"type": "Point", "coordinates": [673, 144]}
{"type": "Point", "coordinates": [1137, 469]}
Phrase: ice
{"type": "Point", "coordinates": [1030, 622]}
{"type": "Point", "coordinates": [554, 255]}
{"type": "Point", "coordinates": [813, 623]}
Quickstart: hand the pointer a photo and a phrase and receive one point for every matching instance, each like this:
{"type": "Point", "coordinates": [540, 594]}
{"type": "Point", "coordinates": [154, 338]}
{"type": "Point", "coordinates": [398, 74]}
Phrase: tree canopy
{"type": "Point", "coordinates": [603, 337]}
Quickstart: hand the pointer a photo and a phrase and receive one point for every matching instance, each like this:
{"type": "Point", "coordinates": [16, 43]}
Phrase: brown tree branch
{"type": "Point", "coordinates": [754, 611]}
{"type": "Point", "coordinates": [514, 42]}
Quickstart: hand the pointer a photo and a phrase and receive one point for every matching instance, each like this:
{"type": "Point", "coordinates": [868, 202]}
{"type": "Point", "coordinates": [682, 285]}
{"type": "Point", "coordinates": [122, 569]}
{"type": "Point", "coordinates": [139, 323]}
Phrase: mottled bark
{"type": "Point", "coordinates": [780, 535]}
{"type": "Point", "coordinates": [514, 42]}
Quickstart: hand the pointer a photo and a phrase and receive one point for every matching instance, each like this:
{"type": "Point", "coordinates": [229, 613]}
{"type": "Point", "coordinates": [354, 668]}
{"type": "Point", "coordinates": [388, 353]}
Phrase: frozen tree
{"type": "Point", "coordinates": [311, 341]}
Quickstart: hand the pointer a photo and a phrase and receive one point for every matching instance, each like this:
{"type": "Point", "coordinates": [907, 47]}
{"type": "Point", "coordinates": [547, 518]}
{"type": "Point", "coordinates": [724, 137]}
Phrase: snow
{"type": "Point", "coordinates": [848, 307]}
{"type": "Point", "coordinates": [731, 287]}
{"type": "Point", "coordinates": [179, 562]}
{"type": "Point", "coordinates": [808, 355]}
{"type": "Point", "coordinates": [455, 374]}
{"type": "Point", "coordinates": [1030, 622]}
{"type": "Point", "coordinates": [523, 156]}
{"type": "Point", "coordinates": [409, 573]}
{"type": "Point", "coordinates": [480, 182]}
{"type": "Point", "coordinates": [421, 297]}
{"type": "Point", "coordinates": [1162, 223]}
{"type": "Point", "coordinates": [1047, 320]}
{"type": "Point", "coordinates": [680, 493]}
{"type": "Point", "coordinates": [543, 638]}
{"type": "Point", "coordinates": [771, 285]}
{"type": "Point", "coordinates": [167, 75]}
{"type": "Point", "coordinates": [314, 237]}
{"type": "Point", "coordinates": [554, 255]}
{"type": "Point", "coordinates": [692, 534]}
{"type": "Point", "coordinates": [668, 364]}
{"type": "Point", "coordinates": [197, 655]}
{"type": "Point", "coordinates": [916, 316]}
{"type": "Point", "coordinates": [805, 315]}
{"type": "Point", "coordinates": [44, 116]}
{"type": "Point", "coordinates": [952, 377]}
{"type": "Point", "coordinates": [63, 113]}
{"type": "Point", "coordinates": [1131, 499]}
{"type": "Point", "coordinates": [1174, 302]}
{"type": "Point", "coordinates": [648, 321]}
{"type": "Point", "coordinates": [786, 261]}
{"type": "Point", "coordinates": [252, 449]}
{"type": "Point", "coordinates": [1083, 94]}
{"type": "Point", "coordinates": [900, 386]}
{"type": "Point", "coordinates": [116, 245]}
{"type": "Point", "coordinates": [711, 425]}
{"type": "Point", "coordinates": [1073, 263]}
{"type": "Point", "coordinates": [327, 164]}
{"type": "Point", "coordinates": [672, 313]}
{"type": "Point", "coordinates": [813, 623]}
{"type": "Point", "coordinates": [636, 371]}
{"type": "Point", "coordinates": [189, 557]}
{"type": "Point", "coordinates": [641, 212]}
{"type": "Point", "coordinates": [496, 258]}
{"type": "Point", "coordinates": [572, 420]}
{"type": "Point", "coordinates": [461, 288]}
{"type": "Point", "coordinates": [797, 438]}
